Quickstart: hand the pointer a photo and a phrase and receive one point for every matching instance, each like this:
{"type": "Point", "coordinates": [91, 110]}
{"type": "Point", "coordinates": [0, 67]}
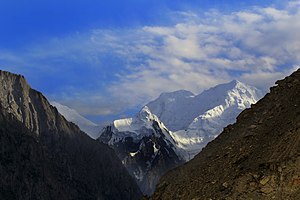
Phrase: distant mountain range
{"type": "Point", "coordinates": [170, 130]}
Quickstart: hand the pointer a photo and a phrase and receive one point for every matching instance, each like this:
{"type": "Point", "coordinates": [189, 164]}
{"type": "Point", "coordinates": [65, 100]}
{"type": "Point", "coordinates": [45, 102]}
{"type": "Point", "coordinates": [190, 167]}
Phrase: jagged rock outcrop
{"type": "Point", "coordinates": [145, 147]}
{"type": "Point", "coordinates": [43, 156]}
{"type": "Point", "coordinates": [256, 158]}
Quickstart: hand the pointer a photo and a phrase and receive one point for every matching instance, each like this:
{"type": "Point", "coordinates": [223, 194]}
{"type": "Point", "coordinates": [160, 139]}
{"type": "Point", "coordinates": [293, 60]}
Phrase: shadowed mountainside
{"type": "Point", "coordinates": [42, 156]}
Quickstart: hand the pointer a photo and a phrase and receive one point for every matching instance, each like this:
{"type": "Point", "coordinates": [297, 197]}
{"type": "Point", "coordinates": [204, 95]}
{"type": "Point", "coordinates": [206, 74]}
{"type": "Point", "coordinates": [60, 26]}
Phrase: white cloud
{"type": "Point", "coordinates": [257, 45]}
{"type": "Point", "coordinates": [249, 17]}
{"type": "Point", "coordinates": [258, 78]}
{"type": "Point", "coordinates": [293, 3]}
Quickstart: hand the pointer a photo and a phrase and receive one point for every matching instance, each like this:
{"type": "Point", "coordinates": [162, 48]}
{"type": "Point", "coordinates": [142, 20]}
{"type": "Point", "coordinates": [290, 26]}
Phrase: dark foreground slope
{"type": "Point", "coordinates": [256, 158]}
{"type": "Point", "coordinates": [42, 156]}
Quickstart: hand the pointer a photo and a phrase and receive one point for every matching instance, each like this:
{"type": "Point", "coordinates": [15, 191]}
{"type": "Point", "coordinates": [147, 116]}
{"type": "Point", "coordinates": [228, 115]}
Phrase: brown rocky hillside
{"type": "Point", "coordinates": [256, 158]}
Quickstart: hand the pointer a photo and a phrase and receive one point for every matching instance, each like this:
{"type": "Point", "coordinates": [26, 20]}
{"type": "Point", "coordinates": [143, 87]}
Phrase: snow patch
{"type": "Point", "coordinates": [133, 154]}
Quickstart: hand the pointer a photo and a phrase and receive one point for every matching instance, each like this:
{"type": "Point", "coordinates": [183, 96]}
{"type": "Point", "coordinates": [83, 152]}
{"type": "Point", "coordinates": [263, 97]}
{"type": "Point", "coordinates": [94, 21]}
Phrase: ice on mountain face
{"type": "Point", "coordinates": [204, 129]}
{"type": "Point", "coordinates": [133, 154]}
{"type": "Point", "coordinates": [123, 124]}
{"type": "Point", "coordinates": [193, 120]}
{"type": "Point", "coordinates": [139, 124]}
{"type": "Point", "coordinates": [232, 98]}
{"type": "Point", "coordinates": [144, 124]}
{"type": "Point", "coordinates": [92, 129]}
{"type": "Point", "coordinates": [177, 110]}
{"type": "Point", "coordinates": [155, 149]}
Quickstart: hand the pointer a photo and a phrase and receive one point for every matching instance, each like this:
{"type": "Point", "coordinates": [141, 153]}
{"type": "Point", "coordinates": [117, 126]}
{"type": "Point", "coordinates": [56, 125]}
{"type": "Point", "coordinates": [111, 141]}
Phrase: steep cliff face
{"type": "Point", "coordinates": [45, 157]}
{"type": "Point", "coordinates": [256, 158]}
{"type": "Point", "coordinates": [30, 107]}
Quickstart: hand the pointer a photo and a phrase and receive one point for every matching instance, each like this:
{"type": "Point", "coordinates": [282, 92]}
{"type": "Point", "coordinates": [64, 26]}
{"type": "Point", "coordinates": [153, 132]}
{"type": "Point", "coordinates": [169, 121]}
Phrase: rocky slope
{"type": "Point", "coordinates": [256, 158]}
{"type": "Point", "coordinates": [43, 156]}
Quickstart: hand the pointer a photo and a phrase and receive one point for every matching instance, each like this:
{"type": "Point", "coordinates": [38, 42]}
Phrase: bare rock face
{"type": "Point", "coordinates": [30, 107]}
{"type": "Point", "coordinates": [256, 158]}
{"type": "Point", "coordinates": [42, 156]}
{"type": "Point", "coordinates": [146, 158]}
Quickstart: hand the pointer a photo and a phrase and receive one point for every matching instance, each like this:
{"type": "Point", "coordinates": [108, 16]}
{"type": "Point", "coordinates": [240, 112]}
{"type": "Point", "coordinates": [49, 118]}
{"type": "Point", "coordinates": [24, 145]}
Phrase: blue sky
{"type": "Point", "coordinates": [107, 58]}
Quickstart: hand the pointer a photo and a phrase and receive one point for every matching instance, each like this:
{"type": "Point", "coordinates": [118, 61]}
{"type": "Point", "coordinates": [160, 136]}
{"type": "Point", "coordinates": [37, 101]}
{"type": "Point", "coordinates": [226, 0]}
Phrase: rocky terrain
{"type": "Point", "coordinates": [256, 158]}
{"type": "Point", "coordinates": [145, 147]}
{"type": "Point", "coordinates": [43, 156]}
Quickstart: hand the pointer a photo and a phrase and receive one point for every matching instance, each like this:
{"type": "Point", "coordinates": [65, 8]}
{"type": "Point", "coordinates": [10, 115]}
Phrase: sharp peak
{"type": "Point", "coordinates": [235, 81]}
{"type": "Point", "coordinates": [184, 92]}
{"type": "Point", "coordinates": [145, 111]}
{"type": "Point", "coordinates": [233, 84]}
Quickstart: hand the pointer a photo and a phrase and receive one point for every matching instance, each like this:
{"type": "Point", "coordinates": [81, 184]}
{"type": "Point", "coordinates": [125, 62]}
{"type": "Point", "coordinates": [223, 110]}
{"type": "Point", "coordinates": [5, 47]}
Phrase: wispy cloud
{"type": "Point", "coordinates": [258, 46]}
{"type": "Point", "coordinates": [133, 66]}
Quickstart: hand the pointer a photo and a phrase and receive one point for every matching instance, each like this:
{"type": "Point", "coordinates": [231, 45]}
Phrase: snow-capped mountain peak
{"type": "Point", "coordinates": [92, 129]}
{"type": "Point", "coordinates": [234, 86]}
{"type": "Point", "coordinates": [220, 106]}
{"type": "Point", "coordinates": [139, 124]}
{"type": "Point", "coordinates": [173, 108]}
{"type": "Point", "coordinates": [71, 114]}
{"type": "Point", "coordinates": [177, 110]}
{"type": "Point", "coordinates": [146, 115]}
{"type": "Point", "coordinates": [145, 146]}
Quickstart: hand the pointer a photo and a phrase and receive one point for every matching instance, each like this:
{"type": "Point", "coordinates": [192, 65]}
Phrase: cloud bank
{"type": "Point", "coordinates": [129, 67]}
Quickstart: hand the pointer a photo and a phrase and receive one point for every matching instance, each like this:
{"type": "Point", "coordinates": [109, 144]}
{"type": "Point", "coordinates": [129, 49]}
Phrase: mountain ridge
{"type": "Point", "coordinates": [260, 153]}
{"type": "Point", "coordinates": [223, 104]}
{"type": "Point", "coordinates": [43, 156]}
{"type": "Point", "coordinates": [145, 147]}
{"type": "Point", "coordinates": [177, 112]}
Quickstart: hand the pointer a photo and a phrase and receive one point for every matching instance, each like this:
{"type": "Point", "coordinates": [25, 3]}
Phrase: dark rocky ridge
{"type": "Point", "coordinates": [42, 156]}
{"type": "Point", "coordinates": [148, 164]}
{"type": "Point", "coordinates": [256, 158]}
